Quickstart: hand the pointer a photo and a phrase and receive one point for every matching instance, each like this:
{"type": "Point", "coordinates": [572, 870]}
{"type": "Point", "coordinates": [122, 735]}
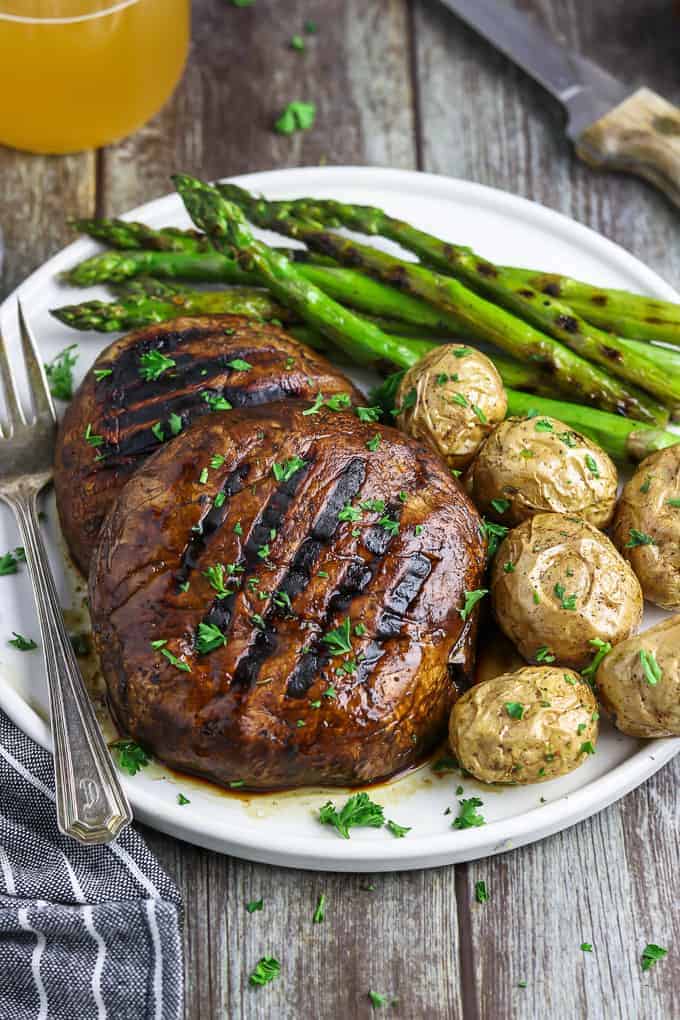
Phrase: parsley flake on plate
{"type": "Point", "coordinates": [59, 372]}
{"type": "Point", "coordinates": [586, 947]}
{"type": "Point", "coordinates": [254, 905]}
{"type": "Point", "coordinates": [320, 912]}
{"type": "Point", "coordinates": [500, 505]}
{"type": "Point", "coordinates": [468, 817]}
{"type": "Point", "coordinates": [182, 800]}
{"type": "Point", "coordinates": [284, 472]}
{"type": "Point", "coordinates": [373, 443]}
{"type": "Point", "coordinates": [9, 562]}
{"type": "Point", "coordinates": [22, 643]}
{"type": "Point", "coordinates": [296, 116]}
{"type": "Point", "coordinates": [209, 638]}
{"type": "Point", "coordinates": [481, 894]}
{"type": "Point", "coordinates": [102, 373]}
{"type": "Point", "coordinates": [359, 810]}
{"type": "Point", "coordinates": [152, 365]}
{"type": "Point", "coordinates": [368, 413]}
{"type": "Point", "coordinates": [471, 600]}
{"type": "Point", "coordinates": [216, 401]}
{"type": "Point", "coordinates": [91, 438]}
{"type": "Point", "coordinates": [651, 954]}
{"type": "Point", "coordinates": [377, 999]}
{"type": "Point", "coordinates": [130, 755]}
{"type": "Point", "coordinates": [239, 365]}
{"type": "Point", "coordinates": [514, 709]}
{"type": "Point", "coordinates": [397, 830]}
{"type": "Point", "coordinates": [339, 640]}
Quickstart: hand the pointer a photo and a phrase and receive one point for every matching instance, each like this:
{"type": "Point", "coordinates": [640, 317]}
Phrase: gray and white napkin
{"type": "Point", "coordinates": [85, 932]}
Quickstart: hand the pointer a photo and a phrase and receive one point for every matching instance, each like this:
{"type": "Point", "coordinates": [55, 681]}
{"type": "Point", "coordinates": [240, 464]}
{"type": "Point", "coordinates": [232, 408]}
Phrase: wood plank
{"type": "Point", "coordinates": [38, 193]}
{"type": "Point", "coordinates": [610, 881]}
{"type": "Point", "coordinates": [242, 72]}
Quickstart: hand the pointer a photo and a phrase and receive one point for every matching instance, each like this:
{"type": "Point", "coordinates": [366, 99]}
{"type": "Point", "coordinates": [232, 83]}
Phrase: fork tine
{"type": "Point", "coordinates": [40, 393]}
{"type": "Point", "coordinates": [15, 415]}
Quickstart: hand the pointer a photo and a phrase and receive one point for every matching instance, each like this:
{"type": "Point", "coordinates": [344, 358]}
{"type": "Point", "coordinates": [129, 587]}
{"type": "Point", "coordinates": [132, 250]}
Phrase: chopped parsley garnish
{"type": "Point", "coordinates": [495, 533]}
{"type": "Point", "coordinates": [264, 551]}
{"type": "Point", "coordinates": [91, 438]}
{"type": "Point", "coordinates": [471, 600]}
{"type": "Point", "coordinates": [368, 413]}
{"type": "Point", "coordinates": [216, 402]}
{"type": "Point", "coordinates": [675, 503]}
{"type": "Point", "coordinates": [651, 954]}
{"type": "Point", "coordinates": [131, 756]}
{"type": "Point", "coordinates": [297, 116]}
{"type": "Point", "coordinates": [418, 530]}
{"type": "Point", "coordinates": [651, 668]}
{"type": "Point", "coordinates": [569, 439]}
{"type": "Point", "coordinates": [375, 505]}
{"type": "Point", "coordinates": [236, 784]}
{"type": "Point", "coordinates": [638, 538]}
{"type": "Point", "coordinates": [460, 399]}
{"type": "Point", "coordinates": [216, 461]}
{"type": "Point", "coordinates": [178, 663]}
{"type": "Point", "coordinates": [152, 365]}
{"type": "Point", "coordinates": [500, 505]}
{"type": "Point", "coordinates": [468, 817]}
{"type": "Point", "coordinates": [445, 764]}
{"type": "Point", "coordinates": [21, 643]}
{"type": "Point", "coordinates": [359, 630]}
{"type": "Point", "coordinates": [527, 453]}
{"type": "Point", "coordinates": [59, 373]}
{"type": "Point", "coordinates": [377, 999]}
{"type": "Point", "coordinates": [9, 562]}
{"type": "Point", "coordinates": [398, 830]}
{"type": "Point", "coordinates": [209, 637]}
{"type": "Point", "coordinates": [182, 800]}
{"type": "Point", "coordinates": [254, 905]}
{"type": "Point", "coordinates": [80, 643]}
{"type": "Point", "coordinates": [508, 567]}
{"type": "Point", "coordinates": [359, 810]}
{"type": "Point", "coordinates": [580, 728]}
{"type": "Point", "coordinates": [480, 414]}
{"type": "Point", "coordinates": [284, 472]}
{"type": "Point", "coordinates": [646, 484]}
{"type": "Point", "coordinates": [215, 576]}
{"type": "Point", "coordinates": [282, 600]}
{"type": "Point", "coordinates": [338, 401]}
{"type": "Point", "coordinates": [408, 402]}
{"type": "Point", "coordinates": [587, 747]}
{"type": "Point", "coordinates": [329, 693]}
{"type": "Point", "coordinates": [176, 424]}
{"type": "Point", "coordinates": [203, 477]}
{"type": "Point", "coordinates": [320, 912]}
{"type": "Point", "coordinates": [566, 601]}
{"type": "Point", "coordinates": [310, 27]}
{"type": "Point", "coordinates": [374, 443]}
{"type": "Point", "coordinates": [591, 464]}
{"type": "Point", "coordinates": [536, 598]}
{"type": "Point", "coordinates": [266, 970]}
{"type": "Point", "coordinates": [339, 640]}
{"type": "Point", "coordinates": [349, 513]}
{"type": "Point", "coordinates": [390, 525]}
{"type": "Point", "coordinates": [602, 648]}
{"type": "Point", "coordinates": [514, 709]}
{"type": "Point", "coordinates": [543, 425]}
{"type": "Point", "coordinates": [238, 528]}
{"type": "Point", "coordinates": [157, 431]}
{"type": "Point", "coordinates": [297, 43]}
{"type": "Point", "coordinates": [101, 373]}
{"type": "Point", "coordinates": [461, 352]}
{"type": "Point", "coordinates": [481, 895]}
{"type": "Point", "coordinates": [543, 654]}
{"type": "Point", "coordinates": [239, 365]}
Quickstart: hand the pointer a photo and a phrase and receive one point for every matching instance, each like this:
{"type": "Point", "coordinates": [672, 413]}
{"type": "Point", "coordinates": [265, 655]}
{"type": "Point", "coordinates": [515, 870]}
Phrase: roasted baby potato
{"type": "Point", "coordinates": [647, 526]}
{"type": "Point", "coordinates": [639, 682]}
{"type": "Point", "coordinates": [451, 400]}
{"type": "Point", "coordinates": [556, 584]}
{"type": "Point", "coordinates": [535, 465]}
{"type": "Point", "coordinates": [535, 724]}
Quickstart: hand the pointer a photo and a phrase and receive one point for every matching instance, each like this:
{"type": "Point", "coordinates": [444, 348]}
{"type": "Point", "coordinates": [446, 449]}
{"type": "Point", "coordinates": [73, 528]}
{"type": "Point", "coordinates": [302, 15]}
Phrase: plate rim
{"type": "Point", "coordinates": [370, 854]}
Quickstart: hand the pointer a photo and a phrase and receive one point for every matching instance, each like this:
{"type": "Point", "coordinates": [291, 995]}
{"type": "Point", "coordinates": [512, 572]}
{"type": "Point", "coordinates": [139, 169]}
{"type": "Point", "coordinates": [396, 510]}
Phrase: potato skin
{"type": "Point", "coordinates": [431, 414]}
{"type": "Point", "coordinates": [637, 707]}
{"type": "Point", "coordinates": [644, 505]}
{"type": "Point", "coordinates": [546, 554]}
{"type": "Point", "coordinates": [538, 465]}
{"type": "Point", "coordinates": [543, 744]}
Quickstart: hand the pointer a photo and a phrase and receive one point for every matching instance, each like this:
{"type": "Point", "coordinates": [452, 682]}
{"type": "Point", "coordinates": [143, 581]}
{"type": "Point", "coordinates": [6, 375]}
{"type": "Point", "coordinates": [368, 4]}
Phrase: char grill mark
{"type": "Point", "coordinates": [210, 524]}
{"type": "Point", "coordinates": [299, 574]}
{"type": "Point", "coordinates": [356, 579]}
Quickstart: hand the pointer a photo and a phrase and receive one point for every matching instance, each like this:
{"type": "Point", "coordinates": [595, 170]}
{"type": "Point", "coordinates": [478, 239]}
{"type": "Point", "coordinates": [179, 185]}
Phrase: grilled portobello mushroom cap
{"type": "Point", "coordinates": [275, 599]}
{"type": "Point", "coordinates": [151, 384]}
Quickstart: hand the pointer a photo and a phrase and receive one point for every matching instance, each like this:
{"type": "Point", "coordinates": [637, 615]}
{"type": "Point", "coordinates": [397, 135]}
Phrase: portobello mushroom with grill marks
{"type": "Point", "coordinates": [278, 596]}
{"type": "Point", "coordinates": [148, 386]}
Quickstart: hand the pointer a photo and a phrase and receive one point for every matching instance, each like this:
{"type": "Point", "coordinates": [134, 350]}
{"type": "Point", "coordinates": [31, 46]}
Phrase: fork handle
{"type": "Point", "coordinates": [91, 804]}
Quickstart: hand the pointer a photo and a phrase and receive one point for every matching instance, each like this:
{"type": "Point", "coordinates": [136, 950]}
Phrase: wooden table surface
{"type": "Point", "coordinates": [405, 84]}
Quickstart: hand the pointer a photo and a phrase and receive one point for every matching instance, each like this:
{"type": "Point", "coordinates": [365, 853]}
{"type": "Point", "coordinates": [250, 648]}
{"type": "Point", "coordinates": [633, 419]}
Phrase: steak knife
{"type": "Point", "coordinates": [612, 126]}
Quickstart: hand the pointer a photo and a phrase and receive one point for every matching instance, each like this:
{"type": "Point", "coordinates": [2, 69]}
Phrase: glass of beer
{"type": "Point", "coordinates": [77, 74]}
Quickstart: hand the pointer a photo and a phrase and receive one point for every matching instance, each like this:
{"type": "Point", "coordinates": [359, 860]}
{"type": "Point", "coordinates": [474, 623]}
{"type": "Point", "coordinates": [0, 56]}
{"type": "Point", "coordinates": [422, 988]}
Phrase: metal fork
{"type": "Point", "coordinates": [91, 805]}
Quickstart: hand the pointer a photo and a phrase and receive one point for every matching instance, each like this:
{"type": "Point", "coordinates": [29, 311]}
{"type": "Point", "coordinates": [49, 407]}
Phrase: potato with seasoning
{"type": "Point", "coordinates": [647, 526]}
{"type": "Point", "coordinates": [537, 465]}
{"type": "Point", "coordinates": [639, 682]}
{"type": "Point", "coordinates": [557, 583]}
{"type": "Point", "coordinates": [451, 399]}
{"type": "Point", "coordinates": [529, 726]}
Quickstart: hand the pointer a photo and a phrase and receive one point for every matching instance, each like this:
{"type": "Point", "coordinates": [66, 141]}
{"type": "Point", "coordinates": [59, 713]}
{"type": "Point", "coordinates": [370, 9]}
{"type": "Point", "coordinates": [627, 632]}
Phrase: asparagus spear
{"type": "Point", "coordinates": [131, 235]}
{"type": "Point", "coordinates": [572, 374]}
{"type": "Point", "coordinates": [142, 310]}
{"type": "Point", "coordinates": [546, 313]}
{"type": "Point", "coordinates": [629, 315]}
{"type": "Point", "coordinates": [227, 228]}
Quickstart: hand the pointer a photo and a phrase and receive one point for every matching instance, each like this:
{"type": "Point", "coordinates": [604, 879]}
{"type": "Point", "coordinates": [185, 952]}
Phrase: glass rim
{"type": "Point", "coordinates": [25, 19]}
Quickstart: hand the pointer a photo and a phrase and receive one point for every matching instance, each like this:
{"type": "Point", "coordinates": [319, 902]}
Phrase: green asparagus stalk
{"type": "Point", "coordinates": [572, 374]}
{"type": "Point", "coordinates": [344, 285]}
{"type": "Point", "coordinates": [134, 312]}
{"type": "Point", "coordinates": [546, 313]}
{"type": "Point", "coordinates": [627, 315]}
{"type": "Point", "coordinates": [127, 234]}
{"type": "Point", "coordinates": [227, 228]}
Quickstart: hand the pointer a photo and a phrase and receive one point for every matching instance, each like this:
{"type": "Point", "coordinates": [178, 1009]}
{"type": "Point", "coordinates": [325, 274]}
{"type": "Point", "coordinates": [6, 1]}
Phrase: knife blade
{"type": "Point", "coordinates": [611, 124]}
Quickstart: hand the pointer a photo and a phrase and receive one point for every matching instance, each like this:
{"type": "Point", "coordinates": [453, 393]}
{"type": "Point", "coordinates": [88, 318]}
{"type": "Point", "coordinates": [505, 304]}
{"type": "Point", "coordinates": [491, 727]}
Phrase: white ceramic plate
{"type": "Point", "coordinates": [282, 829]}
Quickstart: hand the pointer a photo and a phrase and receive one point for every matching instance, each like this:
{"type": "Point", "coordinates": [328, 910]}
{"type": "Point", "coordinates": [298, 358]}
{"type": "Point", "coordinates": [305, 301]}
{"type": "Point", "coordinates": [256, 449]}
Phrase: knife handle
{"type": "Point", "coordinates": [640, 136]}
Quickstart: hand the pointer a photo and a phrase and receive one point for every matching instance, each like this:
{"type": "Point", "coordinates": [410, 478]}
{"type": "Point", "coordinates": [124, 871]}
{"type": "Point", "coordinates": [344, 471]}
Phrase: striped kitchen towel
{"type": "Point", "coordinates": [85, 932]}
